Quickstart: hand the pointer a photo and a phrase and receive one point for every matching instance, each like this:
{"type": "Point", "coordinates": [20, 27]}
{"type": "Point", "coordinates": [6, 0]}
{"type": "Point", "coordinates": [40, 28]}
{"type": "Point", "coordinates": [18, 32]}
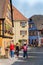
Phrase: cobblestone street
{"type": "Point", "coordinates": [35, 57]}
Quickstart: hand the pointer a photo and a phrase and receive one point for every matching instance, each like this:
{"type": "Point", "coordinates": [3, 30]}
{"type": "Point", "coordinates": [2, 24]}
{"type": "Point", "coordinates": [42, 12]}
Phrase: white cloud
{"type": "Point", "coordinates": [31, 2]}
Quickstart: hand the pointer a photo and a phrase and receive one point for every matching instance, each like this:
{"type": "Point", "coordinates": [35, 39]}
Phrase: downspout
{"type": "Point", "coordinates": [11, 13]}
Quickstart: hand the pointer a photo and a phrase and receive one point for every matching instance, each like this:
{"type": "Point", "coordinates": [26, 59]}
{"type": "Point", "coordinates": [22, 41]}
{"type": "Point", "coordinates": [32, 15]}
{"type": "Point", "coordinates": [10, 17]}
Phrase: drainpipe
{"type": "Point", "coordinates": [11, 13]}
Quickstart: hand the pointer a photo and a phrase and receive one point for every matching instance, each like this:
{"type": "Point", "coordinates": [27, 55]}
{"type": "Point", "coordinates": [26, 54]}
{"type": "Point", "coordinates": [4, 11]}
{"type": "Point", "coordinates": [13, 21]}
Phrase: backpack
{"type": "Point", "coordinates": [25, 48]}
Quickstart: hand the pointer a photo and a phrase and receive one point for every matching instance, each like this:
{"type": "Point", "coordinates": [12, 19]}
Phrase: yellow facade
{"type": "Point", "coordinates": [17, 29]}
{"type": "Point", "coordinates": [4, 42]}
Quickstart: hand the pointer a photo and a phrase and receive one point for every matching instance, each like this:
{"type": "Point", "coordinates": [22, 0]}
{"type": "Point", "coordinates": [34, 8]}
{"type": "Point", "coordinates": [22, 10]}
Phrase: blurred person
{"type": "Point", "coordinates": [12, 49]}
{"type": "Point", "coordinates": [25, 50]}
{"type": "Point", "coordinates": [17, 50]}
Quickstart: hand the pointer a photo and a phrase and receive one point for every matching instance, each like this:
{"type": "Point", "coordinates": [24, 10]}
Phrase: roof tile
{"type": "Point", "coordinates": [17, 15]}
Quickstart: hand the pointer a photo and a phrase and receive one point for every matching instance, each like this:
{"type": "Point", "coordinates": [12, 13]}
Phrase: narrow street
{"type": "Point", "coordinates": [35, 57]}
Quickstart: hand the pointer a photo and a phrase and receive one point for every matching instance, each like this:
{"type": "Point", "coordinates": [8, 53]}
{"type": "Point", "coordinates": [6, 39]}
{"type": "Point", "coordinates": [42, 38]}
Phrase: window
{"type": "Point", "coordinates": [30, 33]}
{"type": "Point", "coordinates": [23, 32]}
{"type": "Point", "coordinates": [42, 32]}
{"type": "Point", "coordinates": [30, 25]}
{"type": "Point", "coordinates": [8, 28]}
{"type": "Point", "coordinates": [33, 25]}
{"type": "Point", "coordinates": [23, 24]}
{"type": "Point", "coordinates": [33, 33]}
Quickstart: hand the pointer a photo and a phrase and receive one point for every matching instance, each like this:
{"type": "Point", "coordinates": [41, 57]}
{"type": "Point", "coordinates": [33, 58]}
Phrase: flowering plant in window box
{"type": "Point", "coordinates": [8, 31]}
{"type": "Point", "coordinates": [12, 33]}
{"type": "Point", "coordinates": [5, 31]}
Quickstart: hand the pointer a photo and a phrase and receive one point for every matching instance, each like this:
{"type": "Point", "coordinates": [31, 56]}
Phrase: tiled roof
{"type": "Point", "coordinates": [2, 4]}
{"type": "Point", "coordinates": [3, 8]}
{"type": "Point", "coordinates": [17, 15]}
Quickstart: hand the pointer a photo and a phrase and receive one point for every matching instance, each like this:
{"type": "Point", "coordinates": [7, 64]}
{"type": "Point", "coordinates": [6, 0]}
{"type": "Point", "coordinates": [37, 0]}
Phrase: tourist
{"type": "Point", "coordinates": [25, 51]}
{"type": "Point", "coordinates": [12, 49]}
{"type": "Point", "coordinates": [17, 50]}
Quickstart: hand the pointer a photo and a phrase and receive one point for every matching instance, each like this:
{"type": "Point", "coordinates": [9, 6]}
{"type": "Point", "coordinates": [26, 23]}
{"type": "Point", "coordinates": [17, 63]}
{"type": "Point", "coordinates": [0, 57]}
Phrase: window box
{"type": "Point", "coordinates": [5, 31]}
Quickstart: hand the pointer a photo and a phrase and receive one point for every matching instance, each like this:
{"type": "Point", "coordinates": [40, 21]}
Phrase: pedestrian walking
{"type": "Point", "coordinates": [12, 49]}
{"type": "Point", "coordinates": [17, 50]}
{"type": "Point", "coordinates": [25, 51]}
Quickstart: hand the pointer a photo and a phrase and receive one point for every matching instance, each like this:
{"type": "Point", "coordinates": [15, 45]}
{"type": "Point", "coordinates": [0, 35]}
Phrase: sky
{"type": "Point", "coordinates": [29, 7]}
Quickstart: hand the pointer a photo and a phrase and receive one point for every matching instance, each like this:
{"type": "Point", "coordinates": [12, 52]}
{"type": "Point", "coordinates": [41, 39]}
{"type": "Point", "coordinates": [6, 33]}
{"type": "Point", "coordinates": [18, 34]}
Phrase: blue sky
{"type": "Point", "coordinates": [29, 7]}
